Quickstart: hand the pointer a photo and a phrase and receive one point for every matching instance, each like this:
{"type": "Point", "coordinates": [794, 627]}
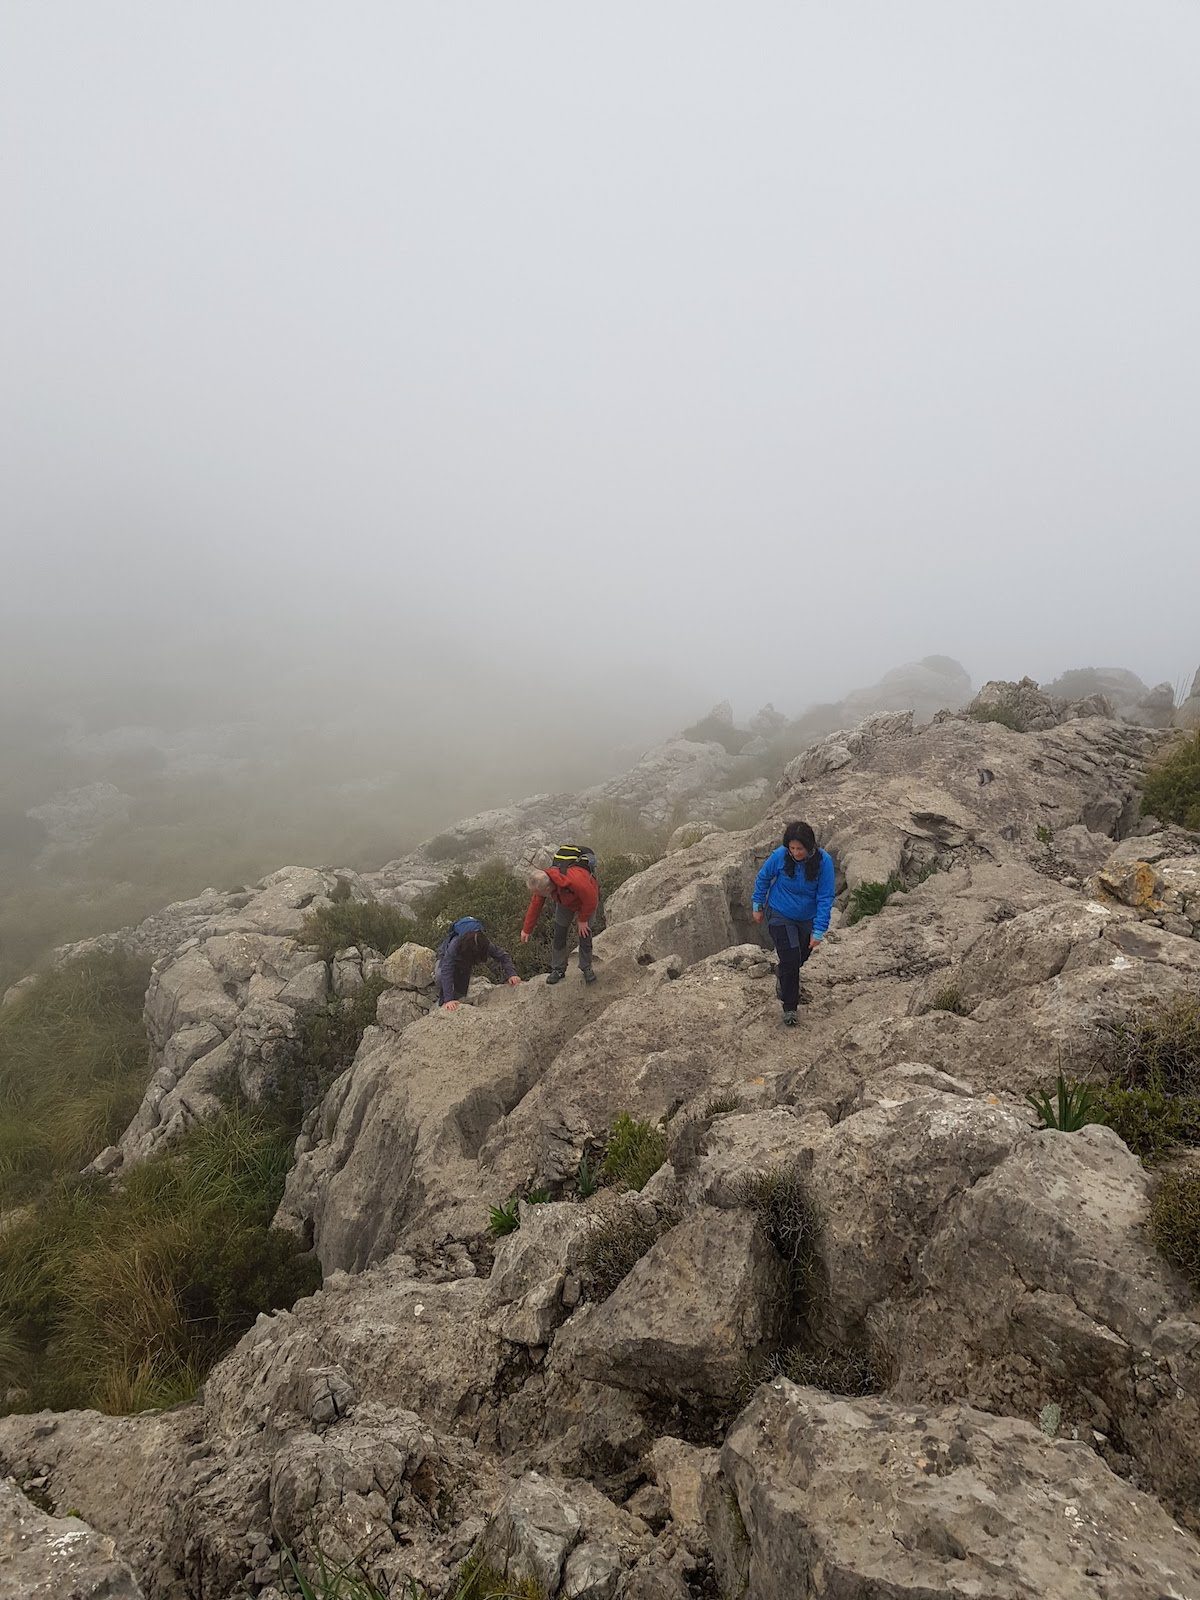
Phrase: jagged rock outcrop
{"type": "Point", "coordinates": [866, 1499]}
{"type": "Point", "coordinates": [1187, 714]}
{"type": "Point", "coordinates": [56, 1558]}
{"type": "Point", "coordinates": [444, 1391]}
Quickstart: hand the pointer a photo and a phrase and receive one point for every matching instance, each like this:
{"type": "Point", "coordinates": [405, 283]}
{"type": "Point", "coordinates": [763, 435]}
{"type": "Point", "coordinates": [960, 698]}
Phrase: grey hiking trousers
{"type": "Point", "coordinates": [563, 921]}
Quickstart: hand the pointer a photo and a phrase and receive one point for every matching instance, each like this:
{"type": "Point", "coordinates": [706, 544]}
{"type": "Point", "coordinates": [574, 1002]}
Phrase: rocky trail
{"type": "Point", "coordinates": [866, 1331]}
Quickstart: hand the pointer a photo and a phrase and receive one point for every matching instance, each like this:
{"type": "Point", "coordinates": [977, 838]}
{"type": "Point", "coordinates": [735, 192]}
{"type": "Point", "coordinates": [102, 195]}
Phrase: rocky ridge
{"type": "Point", "coordinates": [1038, 1426]}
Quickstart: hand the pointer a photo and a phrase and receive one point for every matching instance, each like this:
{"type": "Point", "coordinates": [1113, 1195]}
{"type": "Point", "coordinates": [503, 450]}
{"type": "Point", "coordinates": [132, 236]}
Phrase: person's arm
{"type": "Point", "coordinates": [535, 910]}
{"type": "Point", "coordinates": [766, 873]}
{"type": "Point", "coordinates": [446, 973]}
{"type": "Point", "coordinates": [825, 891]}
{"type": "Point", "coordinates": [504, 961]}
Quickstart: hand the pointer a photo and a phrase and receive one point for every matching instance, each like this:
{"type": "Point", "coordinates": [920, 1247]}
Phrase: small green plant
{"type": "Point", "coordinates": [1172, 790]}
{"type": "Point", "coordinates": [616, 1242]}
{"type": "Point", "coordinates": [948, 998]}
{"type": "Point", "coordinates": [1073, 1107]}
{"type": "Point", "coordinates": [366, 924]}
{"type": "Point", "coordinates": [504, 1218]}
{"type": "Point", "coordinates": [1044, 834]}
{"type": "Point", "coordinates": [1175, 1221]}
{"type": "Point", "coordinates": [335, 1580]}
{"type": "Point", "coordinates": [586, 1181]}
{"type": "Point", "coordinates": [537, 1197]}
{"type": "Point", "coordinates": [1006, 717]}
{"type": "Point", "coordinates": [634, 1153]}
{"type": "Point", "coordinates": [478, 1579]}
{"type": "Point", "coordinates": [868, 899]}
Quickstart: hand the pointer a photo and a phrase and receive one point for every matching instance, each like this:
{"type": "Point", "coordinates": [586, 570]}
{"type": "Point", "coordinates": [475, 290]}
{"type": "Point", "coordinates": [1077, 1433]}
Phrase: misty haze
{"type": "Point", "coordinates": [599, 800]}
{"type": "Point", "coordinates": [407, 415]}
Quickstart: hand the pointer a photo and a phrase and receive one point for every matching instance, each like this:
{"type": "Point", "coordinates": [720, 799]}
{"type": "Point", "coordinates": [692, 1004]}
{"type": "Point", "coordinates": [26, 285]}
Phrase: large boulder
{"type": "Point", "coordinates": [873, 1500]}
{"type": "Point", "coordinates": [683, 1322]}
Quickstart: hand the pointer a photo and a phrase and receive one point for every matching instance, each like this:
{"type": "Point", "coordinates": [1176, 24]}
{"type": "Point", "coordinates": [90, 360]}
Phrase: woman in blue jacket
{"type": "Point", "coordinates": [794, 891]}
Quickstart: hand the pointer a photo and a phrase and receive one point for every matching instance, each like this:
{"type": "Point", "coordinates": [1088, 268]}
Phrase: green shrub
{"type": "Point", "coordinates": [74, 1064]}
{"type": "Point", "coordinates": [868, 899]}
{"type": "Point", "coordinates": [1175, 1221]}
{"type": "Point", "coordinates": [499, 899]}
{"type": "Point", "coordinates": [948, 998]}
{"type": "Point", "coordinates": [1150, 1121]}
{"type": "Point", "coordinates": [1172, 789]}
{"type": "Point", "coordinates": [616, 1242]}
{"type": "Point", "coordinates": [1073, 1106]}
{"type": "Point", "coordinates": [124, 1297]}
{"type": "Point", "coordinates": [1162, 1047]}
{"type": "Point", "coordinates": [634, 1152]}
{"type": "Point", "coordinates": [326, 1042]}
{"type": "Point", "coordinates": [367, 924]}
{"type": "Point", "coordinates": [1044, 834]}
{"type": "Point", "coordinates": [614, 870]}
{"type": "Point", "coordinates": [459, 846]}
{"type": "Point", "coordinates": [1002, 714]}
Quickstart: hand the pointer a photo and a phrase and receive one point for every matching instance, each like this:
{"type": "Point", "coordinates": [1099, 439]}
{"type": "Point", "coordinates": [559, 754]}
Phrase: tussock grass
{"type": "Point", "coordinates": [1172, 790]}
{"type": "Point", "coordinates": [616, 1242]}
{"type": "Point", "coordinates": [617, 830]}
{"type": "Point", "coordinates": [1175, 1221]}
{"type": "Point", "coordinates": [123, 1297]}
{"type": "Point", "coordinates": [73, 1068]}
{"type": "Point", "coordinates": [634, 1152]}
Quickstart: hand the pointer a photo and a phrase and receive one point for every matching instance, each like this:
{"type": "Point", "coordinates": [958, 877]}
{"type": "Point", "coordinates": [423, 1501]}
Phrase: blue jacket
{"type": "Point", "coordinates": [444, 970]}
{"type": "Point", "coordinates": [795, 899]}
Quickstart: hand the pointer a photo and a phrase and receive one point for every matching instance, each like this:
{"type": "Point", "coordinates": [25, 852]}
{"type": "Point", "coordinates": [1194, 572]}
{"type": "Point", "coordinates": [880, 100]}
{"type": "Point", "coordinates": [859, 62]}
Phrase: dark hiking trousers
{"type": "Point", "coordinates": [793, 944]}
{"type": "Point", "coordinates": [563, 922]}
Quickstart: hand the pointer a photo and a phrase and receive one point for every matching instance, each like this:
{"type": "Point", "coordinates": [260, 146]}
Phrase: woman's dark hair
{"type": "Point", "coordinates": [472, 948]}
{"type": "Point", "coordinates": [804, 834]}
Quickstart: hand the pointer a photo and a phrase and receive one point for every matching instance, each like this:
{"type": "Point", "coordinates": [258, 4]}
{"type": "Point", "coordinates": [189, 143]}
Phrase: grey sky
{"type": "Point", "coordinates": [711, 349]}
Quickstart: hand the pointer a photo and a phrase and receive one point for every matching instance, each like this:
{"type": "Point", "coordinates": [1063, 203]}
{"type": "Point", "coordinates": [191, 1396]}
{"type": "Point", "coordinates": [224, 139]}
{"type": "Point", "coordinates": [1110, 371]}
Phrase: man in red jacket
{"type": "Point", "coordinates": [575, 894]}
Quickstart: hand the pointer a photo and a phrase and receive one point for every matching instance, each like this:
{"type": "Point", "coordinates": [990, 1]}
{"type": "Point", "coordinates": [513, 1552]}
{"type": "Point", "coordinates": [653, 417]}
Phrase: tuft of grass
{"type": "Point", "coordinates": [327, 1579]}
{"type": "Point", "coordinates": [614, 869]}
{"type": "Point", "coordinates": [634, 1152]}
{"type": "Point", "coordinates": [786, 1214]}
{"type": "Point", "coordinates": [505, 1217]}
{"type": "Point", "coordinates": [477, 1579]}
{"type": "Point", "coordinates": [616, 1242]}
{"type": "Point", "coordinates": [1152, 1098]}
{"type": "Point", "coordinates": [369, 924]}
{"type": "Point", "coordinates": [1073, 1106]}
{"type": "Point", "coordinates": [1172, 788]}
{"type": "Point", "coordinates": [722, 1105]}
{"type": "Point", "coordinates": [74, 1062]}
{"type": "Point", "coordinates": [619, 830]}
{"type": "Point", "coordinates": [948, 998]}
{"type": "Point", "coordinates": [586, 1181]}
{"type": "Point", "coordinates": [1043, 834]}
{"type": "Point", "coordinates": [847, 1371]}
{"type": "Point", "coordinates": [868, 899]}
{"type": "Point", "coordinates": [1175, 1221]}
{"type": "Point", "coordinates": [122, 1298]}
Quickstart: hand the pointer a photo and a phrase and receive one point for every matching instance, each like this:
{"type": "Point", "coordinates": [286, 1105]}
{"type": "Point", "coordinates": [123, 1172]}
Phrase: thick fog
{"type": "Point", "coordinates": [484, 391]}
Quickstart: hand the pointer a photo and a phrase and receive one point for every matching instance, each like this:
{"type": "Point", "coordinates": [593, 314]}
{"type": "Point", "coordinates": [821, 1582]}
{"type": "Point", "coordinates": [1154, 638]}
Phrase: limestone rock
{"type": "Point", "coordinates": [56, 1558]}
{"type": "Point", "coordinates": [683, 1321]}
{"type": "Point", "coordinates": [410, 967]}
{"type": "Point", "coordinates": [868, 1498]}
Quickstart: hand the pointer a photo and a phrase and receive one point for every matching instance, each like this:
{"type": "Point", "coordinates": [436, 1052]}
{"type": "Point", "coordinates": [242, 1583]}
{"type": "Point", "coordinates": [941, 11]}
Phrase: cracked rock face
{"type": "Point", "coordinates": [1038, 1432]}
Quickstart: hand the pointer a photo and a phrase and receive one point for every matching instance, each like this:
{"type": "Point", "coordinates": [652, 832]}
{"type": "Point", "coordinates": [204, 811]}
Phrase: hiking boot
{"type": "Point", "coordinates": [589, 976]}
{"type": "Point", "coordinates": [555, 977]}
{"type": "Point", "coordinates": [789, 1019]}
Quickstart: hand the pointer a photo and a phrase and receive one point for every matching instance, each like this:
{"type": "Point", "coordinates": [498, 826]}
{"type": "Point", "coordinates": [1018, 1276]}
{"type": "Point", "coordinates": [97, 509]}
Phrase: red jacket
{"type": "Point", "coordinates": [575, 888]}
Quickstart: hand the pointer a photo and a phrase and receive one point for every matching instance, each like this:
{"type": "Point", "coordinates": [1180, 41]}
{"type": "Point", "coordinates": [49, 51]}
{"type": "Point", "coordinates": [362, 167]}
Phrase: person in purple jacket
{"type": "Point", "coordinates": [794, 891]}
{"type": "Point", "coordinates": [467, 948]}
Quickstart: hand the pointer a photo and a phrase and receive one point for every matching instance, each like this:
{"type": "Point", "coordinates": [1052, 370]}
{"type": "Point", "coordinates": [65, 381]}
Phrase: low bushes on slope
{"type": "Point", "coordinates": [364, 923]}
{"type": "Point", "coordinates": [1172, 789]}
{"type": "Point", "coordinates": [73, 1068]}
{"type": "Point", "coordinates": [327, 1039]}
{"type": "Point", "coordinates": [1175, 1221]}
{"type": "Point", "coordinates": [123, 1297]}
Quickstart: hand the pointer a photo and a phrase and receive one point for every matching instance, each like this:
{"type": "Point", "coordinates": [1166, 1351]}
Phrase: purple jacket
{"type": "Point", "coordinates": [445, 971]}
